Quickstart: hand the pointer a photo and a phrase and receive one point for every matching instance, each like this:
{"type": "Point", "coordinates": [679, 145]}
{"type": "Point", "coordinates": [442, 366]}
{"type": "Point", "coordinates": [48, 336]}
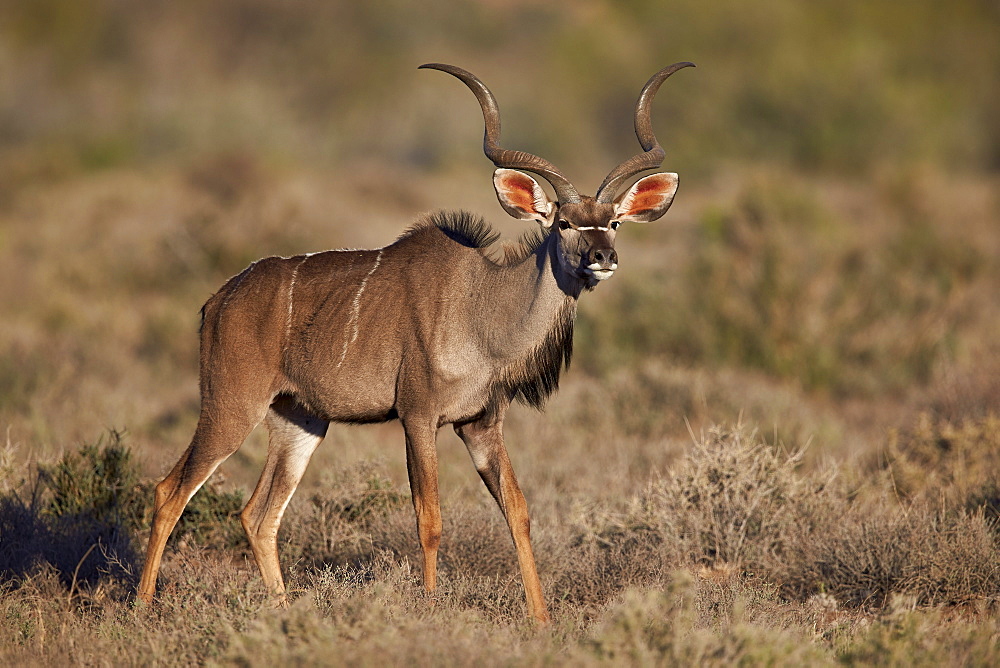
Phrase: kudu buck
{"type": "Point", "coordinates": [431, 329]}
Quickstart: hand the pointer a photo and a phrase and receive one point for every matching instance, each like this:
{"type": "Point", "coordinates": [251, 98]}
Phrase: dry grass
{"type": "Point", "coordinates": [825, 285]}
{"type": "Point", "coordinates": [736, 554]}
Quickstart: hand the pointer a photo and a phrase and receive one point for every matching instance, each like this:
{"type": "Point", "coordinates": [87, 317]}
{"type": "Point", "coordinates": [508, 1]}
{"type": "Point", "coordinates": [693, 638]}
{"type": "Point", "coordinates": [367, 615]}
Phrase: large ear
{"type": "Point", "coordinates": [648, 199]}
{"type": "Point", "coordinates": [522, 197]}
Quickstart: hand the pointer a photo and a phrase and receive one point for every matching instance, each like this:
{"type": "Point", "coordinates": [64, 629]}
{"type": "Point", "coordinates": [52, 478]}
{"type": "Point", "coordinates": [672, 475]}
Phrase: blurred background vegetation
{"type": "Point", "coordinates": [826, 87]}
{"type": "Point", "coordinates": [828, 277]}
{"type": "Point", "coordinates": [835, 238]}
{"type": "Point", "coordinates": [834, 244]}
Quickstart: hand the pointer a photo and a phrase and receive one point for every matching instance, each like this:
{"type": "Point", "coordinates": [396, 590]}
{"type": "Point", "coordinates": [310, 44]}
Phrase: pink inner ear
{"type": "Point", "coordinates": [648, 194]}
{"type": "Point", "coordinates": [520, 192]}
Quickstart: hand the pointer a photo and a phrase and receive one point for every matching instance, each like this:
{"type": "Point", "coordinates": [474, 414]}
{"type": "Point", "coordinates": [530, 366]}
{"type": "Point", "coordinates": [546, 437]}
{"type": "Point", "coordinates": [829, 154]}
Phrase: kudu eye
{"type": "Point", "coordinates": [564, 224]}
{"type": "Point", "coordinates": [614, 224]}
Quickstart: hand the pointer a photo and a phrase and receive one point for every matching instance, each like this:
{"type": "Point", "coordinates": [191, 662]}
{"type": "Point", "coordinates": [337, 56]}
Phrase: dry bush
{"type": "Point", "coordinates": [732, 500]}
{"type": "Point", "coordinates": [664, 628]}
{"type": "Point", "coordinates": [378, 612]}
{"type": "Point", "coordinates": [937, 455]}
{"type": "Point", "coordinates": [938, 557]}
{"type": "Point", "coordinates": [608, 553]}
{"type": "Point", "coordinates": [737, 503]}
{"type": "Point", "coordinates": [334, 524]}
{"type": "Point", "coordinates": [763, 531]}
{"type": "Point", "coordinates": [907, 636]}
{"type": "Point", "coordinates": [356, 513]}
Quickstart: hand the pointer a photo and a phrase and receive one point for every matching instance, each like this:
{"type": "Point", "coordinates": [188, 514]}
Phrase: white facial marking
{"type": "Point", "coordinates": [599, 272]}
{"type": "Point", "coordinates": [593, 227]}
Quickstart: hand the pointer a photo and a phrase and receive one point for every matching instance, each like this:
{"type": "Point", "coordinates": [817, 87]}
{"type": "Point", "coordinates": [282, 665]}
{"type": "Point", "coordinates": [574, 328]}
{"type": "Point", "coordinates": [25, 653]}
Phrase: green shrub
{"type": "Point", "coordinates": [79, 516]}
{"type": "Point", "coordinates": [99, 481]}
{"type": "Point", "coordinates": [83, 514]}
{"type": "Point", "coordinates": [211, 517]}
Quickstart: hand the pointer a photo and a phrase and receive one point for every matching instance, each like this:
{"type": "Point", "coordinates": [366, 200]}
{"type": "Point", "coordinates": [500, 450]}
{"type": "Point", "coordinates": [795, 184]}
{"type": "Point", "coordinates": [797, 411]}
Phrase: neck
{"type": "Point", "coordinates": [529, 312]}
{"type": "Point", "coordinates": [522, 302]}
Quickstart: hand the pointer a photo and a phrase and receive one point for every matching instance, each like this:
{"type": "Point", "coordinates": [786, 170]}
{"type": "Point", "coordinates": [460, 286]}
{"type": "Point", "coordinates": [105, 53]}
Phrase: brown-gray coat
{"type": "Point", "coordinates": [431, 329]}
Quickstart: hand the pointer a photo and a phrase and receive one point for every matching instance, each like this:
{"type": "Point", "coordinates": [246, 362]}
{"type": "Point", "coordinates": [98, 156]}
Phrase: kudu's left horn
{"type": "Point", "coordinates": [653, 154]}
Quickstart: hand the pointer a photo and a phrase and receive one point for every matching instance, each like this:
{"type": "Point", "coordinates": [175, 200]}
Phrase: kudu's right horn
{"type": "Point", "coordinates": [501, 157]}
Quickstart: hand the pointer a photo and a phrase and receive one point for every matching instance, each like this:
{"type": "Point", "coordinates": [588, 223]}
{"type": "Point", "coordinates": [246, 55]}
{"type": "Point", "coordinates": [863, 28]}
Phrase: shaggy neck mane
{"type": "Point", "coordinates": [472, 231]}
{"type": "Point", "coordinates": [534, 376]}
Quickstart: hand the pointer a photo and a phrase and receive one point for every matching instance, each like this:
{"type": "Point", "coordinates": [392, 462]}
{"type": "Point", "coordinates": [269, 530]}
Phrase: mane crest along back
{"type": "Point", "coordinates": [473, 231]}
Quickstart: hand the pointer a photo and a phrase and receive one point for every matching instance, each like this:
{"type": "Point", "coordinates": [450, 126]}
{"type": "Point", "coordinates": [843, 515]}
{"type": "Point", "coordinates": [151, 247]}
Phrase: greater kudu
{"type": "Point", "coordinates": [429, 329]}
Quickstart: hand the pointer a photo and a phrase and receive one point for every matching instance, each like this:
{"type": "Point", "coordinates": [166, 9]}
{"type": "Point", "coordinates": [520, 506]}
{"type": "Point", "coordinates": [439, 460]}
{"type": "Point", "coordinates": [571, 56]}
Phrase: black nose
{"type": "Point", "coordinates": [604, 256]}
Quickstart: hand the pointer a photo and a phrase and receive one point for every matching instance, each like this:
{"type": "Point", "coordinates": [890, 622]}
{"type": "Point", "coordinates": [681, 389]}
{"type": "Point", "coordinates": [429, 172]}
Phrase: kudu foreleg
{"type": "Point", "coordinates": [489, 454]}
{"type": "Point", "coordinates": [422, 468]}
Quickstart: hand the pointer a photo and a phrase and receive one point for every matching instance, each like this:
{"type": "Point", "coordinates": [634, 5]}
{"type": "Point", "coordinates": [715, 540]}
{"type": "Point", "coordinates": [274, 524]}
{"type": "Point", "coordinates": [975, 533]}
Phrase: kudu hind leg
{"type": "Point", "coordinates": [294, 435]}
{"type": "Point", "coordinates": [421, 466]}
{"type": "Point", "coordinates": [489, 454]}
{"type": "Point", "coordinates": [213, 442]}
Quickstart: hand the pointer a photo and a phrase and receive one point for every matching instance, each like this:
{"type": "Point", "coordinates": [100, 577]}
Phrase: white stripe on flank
{"type": "Point", "coordinates": [291, 293]}
{"type": "Point", "coordinates": [356, 309]}
{"type": "Point", "coordinates": [239, 279]}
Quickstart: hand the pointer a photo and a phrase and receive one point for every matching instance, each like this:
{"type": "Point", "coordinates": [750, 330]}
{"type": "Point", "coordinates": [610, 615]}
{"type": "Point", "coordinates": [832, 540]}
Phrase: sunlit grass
{"type": "Point", "coordinates": [826, 284]}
